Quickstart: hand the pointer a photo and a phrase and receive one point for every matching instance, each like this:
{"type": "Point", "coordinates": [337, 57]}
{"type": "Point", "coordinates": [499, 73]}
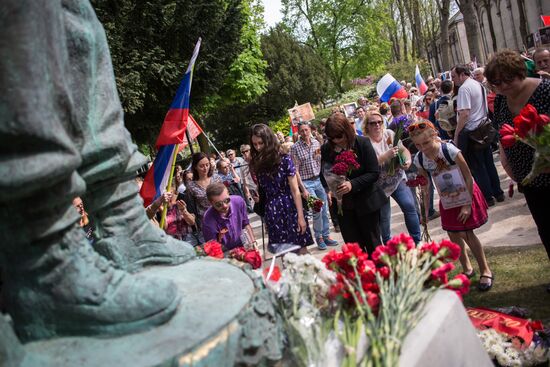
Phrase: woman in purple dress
{"type": "Point", "coordinates": [276, 176]}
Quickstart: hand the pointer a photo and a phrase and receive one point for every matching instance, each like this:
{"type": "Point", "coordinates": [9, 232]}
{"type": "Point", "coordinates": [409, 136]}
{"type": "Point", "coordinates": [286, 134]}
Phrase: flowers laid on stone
{"type": "Point", "coordinates": [354, 309]}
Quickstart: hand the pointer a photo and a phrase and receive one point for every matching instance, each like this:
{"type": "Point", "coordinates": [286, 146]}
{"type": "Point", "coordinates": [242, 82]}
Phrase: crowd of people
{"type": "Point", "coordinates": [435, 135]}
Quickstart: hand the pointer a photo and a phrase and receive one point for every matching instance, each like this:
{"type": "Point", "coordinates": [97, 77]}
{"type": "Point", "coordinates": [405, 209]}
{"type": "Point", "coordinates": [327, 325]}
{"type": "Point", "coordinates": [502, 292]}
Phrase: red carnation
{"type": "Point", "coordinates": [384, 272]}
{"type": "Point", "coordinates": [275, 274]}
{"type": "Point", "coordinates": [449, 250]}
{"type": "Point", "coordinates": [381, 255]}
{"type": "Point", "coordinates": [460, 284]}
{"type": "Point", "coordinates": [400, 243]}
{"type": "Point", "coordinates": [253, 258]}
{"type": "Point", "coordinates": [213, 249]}
{"type": "Point", "coordinates": [340, 169]}
{"type": "Point", "coordinates": [441, 272]}
{"type": "Point", "coordinates": [431, 247]}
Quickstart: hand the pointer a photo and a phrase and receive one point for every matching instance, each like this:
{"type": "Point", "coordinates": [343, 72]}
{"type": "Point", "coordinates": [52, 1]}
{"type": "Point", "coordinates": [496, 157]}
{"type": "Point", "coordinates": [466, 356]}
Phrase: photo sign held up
{"type": "Point", "coordinates": [300, 113]}
{"type": "Point", "coordinates": [451, 188]}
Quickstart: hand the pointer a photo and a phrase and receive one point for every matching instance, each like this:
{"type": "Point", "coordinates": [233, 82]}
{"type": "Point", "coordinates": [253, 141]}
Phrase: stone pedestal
{"type": "Point", "coordinates": [444, 337]}
{"type": "Point", "coordinates": [205, 331]}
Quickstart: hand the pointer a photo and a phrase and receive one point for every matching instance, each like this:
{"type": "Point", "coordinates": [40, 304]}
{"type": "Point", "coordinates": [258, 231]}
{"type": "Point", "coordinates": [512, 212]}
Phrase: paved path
{"type": "Point", "coordinates": [509, 224]}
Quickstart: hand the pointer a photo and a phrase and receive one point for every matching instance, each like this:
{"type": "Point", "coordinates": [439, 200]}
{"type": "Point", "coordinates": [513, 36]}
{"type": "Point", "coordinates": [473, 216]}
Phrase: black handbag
{"type": "Point", "coordinates": [259, 207]}
{"type": "Point", "coordinates": [485, 133]}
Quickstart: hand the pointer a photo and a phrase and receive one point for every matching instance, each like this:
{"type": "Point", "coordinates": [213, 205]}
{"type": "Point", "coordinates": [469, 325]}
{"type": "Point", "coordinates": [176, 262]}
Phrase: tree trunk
{"type": "Point", "coordinates": [403, 30]}
{"type": "Point", "coordinates": [394, 36]}
{"type": "Point", "coordinates": [472, 29]}
{"type": "Point", "coordinates": [444, 12]}
{"type": "Point", "coordinates": [418, 27]}
{"type": "Point", "coordinates": [487, 5]}
{"type": "Point", "coordinates": [522, 22]}
{"type": "Point", "coordinates": [408, 9]}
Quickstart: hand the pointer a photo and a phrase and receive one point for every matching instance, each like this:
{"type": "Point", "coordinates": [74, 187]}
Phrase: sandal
{"type": "Point", "coordinates": [471, 274]}
{"type": "Point", "coordinates": [484, 287]}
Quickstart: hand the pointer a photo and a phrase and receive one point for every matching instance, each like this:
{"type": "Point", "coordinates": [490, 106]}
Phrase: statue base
{"type": "Point", "coordinates": [205, 331]}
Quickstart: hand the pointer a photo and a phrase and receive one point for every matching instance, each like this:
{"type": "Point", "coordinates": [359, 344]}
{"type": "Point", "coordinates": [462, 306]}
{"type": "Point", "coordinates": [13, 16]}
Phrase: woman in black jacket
{"type": "Point", "coordinates": [362, 198]}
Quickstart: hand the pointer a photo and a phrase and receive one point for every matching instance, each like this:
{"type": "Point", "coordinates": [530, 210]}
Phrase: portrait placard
{"type": "Point", "coordinates": [303, 112]}
{"type": "Point", "coordinates": [452, 188]}
{"type": "Point", "coordinates": [349, 109]}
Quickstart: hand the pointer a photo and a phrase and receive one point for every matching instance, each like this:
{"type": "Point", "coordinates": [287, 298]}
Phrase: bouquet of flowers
{"type": "Point", "coordinates": [251, 257]}
{"type": "Point", "coordinates": [418, 182]}
{"type": "Point", "coordinates": [402, 123]}
{"type": "Point", "coordinates": [211, 248]}
{"type": "Point", "coordinates": [344, 164]}
{"type": "Point", "coordinates": [532, 129]}
{"type": "Point", "coordinates": [314, 203]}
{"type": "Point", "coordinates": [387, 292]}
{"type": "Point", "coordinates": [356, 309]}
{"type": "Point", "coordinates": [507, 352]}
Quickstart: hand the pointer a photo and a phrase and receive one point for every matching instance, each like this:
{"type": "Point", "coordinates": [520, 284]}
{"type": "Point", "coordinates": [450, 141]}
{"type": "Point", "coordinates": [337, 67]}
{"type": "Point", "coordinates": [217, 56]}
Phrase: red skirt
{"type": "Point", "coordinates": [449, 217]}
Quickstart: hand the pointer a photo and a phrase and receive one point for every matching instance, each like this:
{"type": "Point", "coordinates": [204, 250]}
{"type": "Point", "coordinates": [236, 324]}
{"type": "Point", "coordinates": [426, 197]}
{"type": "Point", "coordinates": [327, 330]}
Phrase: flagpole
{"type": "Point", "coordinates": [210, 141]}
{"type": "Point", "coordinates": [189, 141]}
{"type": "Point", "coordinates": [169, 186]}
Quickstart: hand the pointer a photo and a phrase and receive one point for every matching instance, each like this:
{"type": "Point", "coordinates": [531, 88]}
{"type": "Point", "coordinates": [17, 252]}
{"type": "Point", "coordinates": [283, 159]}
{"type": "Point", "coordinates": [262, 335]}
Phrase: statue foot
{"type": "Point", "coordinates": [126, 236]}
{"type": "Point", "coordinates": [65, 288]}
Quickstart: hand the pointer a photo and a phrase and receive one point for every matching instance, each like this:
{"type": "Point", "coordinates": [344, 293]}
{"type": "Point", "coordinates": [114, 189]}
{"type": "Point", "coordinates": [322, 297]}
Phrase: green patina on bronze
{"type": "Point", "coordinates": [62, 135]}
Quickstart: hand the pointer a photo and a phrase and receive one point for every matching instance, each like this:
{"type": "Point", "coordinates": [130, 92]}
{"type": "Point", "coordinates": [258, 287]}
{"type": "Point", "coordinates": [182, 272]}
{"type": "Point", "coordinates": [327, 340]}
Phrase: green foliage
{"type": "Point", "coordinates": [348, 35]}
{"type": "Point", "coordinates": [282, 125]}
{"type": "Point", "coordinates": [404, 70]}
{"type": "Point", "coordinates": [246, 78]}
{"type": "Point", "coordinates": [295, 73]}
{"type": "Point", "coordinates": [151, 43]}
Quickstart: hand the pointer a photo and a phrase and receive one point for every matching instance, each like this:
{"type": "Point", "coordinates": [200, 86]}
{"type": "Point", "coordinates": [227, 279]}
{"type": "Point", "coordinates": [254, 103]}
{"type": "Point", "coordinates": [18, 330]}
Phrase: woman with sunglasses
{"type": "Point", "coordinates": [437, 157]}
{"type": "Point", "coordinates": [507, 75]}
{"type": "Point", "coordinates": [362, 199]}
{"type": "Point", "coordinates": [278, 190]}
{"type": "Point", "coordinates": [393, 183]}
{"type": "Point", "coordinates": [203, 175]}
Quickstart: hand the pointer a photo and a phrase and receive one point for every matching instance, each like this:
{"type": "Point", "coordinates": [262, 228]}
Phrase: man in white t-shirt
{"type": "Point", "coordinates": [472, 110]}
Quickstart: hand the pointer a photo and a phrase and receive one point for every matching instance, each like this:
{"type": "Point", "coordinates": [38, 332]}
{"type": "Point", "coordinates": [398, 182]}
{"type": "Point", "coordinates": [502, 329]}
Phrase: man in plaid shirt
{"type": "Point", "coordinates": [306, 154]}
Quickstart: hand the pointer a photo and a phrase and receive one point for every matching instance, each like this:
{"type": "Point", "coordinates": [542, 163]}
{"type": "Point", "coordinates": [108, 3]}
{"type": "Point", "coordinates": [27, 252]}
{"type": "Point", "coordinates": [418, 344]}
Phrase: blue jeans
{"type": "Point", "coordinates": [320, 220]}
{"type": "Point", "coordinates": [404, 198]}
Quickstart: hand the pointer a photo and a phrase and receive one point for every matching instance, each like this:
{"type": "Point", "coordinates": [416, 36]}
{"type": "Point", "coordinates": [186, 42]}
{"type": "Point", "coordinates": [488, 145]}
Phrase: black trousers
{"type": "Point", "coordinates": [363, 229]}
{"type": "Point", "coordinates": [538, 201]}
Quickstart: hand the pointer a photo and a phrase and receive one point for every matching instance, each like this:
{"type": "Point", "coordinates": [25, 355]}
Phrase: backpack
{"type": "Point", "coordinates": [445, 115]}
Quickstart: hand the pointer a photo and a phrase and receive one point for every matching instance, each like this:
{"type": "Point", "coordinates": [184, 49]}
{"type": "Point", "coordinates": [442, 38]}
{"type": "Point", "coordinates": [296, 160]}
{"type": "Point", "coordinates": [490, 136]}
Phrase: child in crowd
{"type": "Point", "coordinates": [460, 219]}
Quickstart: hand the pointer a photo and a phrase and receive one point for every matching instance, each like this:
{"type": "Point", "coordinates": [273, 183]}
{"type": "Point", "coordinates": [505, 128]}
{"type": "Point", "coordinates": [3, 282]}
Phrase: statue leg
{"type": "Point", "coordinates": [54, 282]}
{"type": "Point", "coordinates": [61, 286]}
{"type": "Point", "coordinates": [109, 158]}
{"type": "Point", "coordinates": [125, 235]}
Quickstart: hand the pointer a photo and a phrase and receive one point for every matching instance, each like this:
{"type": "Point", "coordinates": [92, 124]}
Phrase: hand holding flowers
{"type": "Point", "coordinates": [533, 129]}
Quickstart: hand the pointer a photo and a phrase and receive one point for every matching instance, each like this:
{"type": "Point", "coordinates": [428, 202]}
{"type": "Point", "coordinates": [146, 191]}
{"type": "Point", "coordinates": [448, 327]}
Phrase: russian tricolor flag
{"type": "Point", "coordinates": [420, 84]}
{"type": "Point", "coordinates": [172, 133]}
{"type": "Point", "coordinates": [388, 88]}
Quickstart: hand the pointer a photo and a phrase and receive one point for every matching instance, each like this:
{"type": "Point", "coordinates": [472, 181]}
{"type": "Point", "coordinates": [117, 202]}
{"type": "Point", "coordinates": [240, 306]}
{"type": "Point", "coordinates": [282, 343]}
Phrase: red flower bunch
{"type": "Point", "coordinates": [227, 183]}
{"type": "Point", "coordinates": [344, 163]}
{"type": "Point", "coordinates": [443, 253]}
{"type": "Point", "coordinates": [532, 129]}
{"type": "Point", "coordinates": [314, 203]}
{"type": "Point", "coordinates": [355, 278]}
{"type": "Point", "coordinates": [417, 181]}
{"type": "Point", "coordinates": [460, 284]}
{"type": "Point", "coordinates": [397, 246]}
{"type": "Point", "coordinates": [251, 257]}
{"type": "Point", "coordinates": [275, 274]}
{"type": "Point", "coordinates": [527, 123]}
{"type": "Point", "coordinates": [213, 249]}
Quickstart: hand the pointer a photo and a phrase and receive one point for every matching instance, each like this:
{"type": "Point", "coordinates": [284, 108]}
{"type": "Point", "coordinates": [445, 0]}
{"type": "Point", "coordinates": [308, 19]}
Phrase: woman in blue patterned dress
{"type": "Point", "coordinates": [276, 176]}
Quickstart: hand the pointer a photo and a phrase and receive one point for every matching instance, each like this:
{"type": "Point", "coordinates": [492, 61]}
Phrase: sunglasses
{"type": "Point", "coordinates": [335, 137]}
{"type": "Point", "coordinates": [245, 151]}
{"type": "Point", "coordinates": [417, 126]}
{"type": "Point", "coordinates": [372, 123]}
{"type": "Point", "coordinates": [221, 203]}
